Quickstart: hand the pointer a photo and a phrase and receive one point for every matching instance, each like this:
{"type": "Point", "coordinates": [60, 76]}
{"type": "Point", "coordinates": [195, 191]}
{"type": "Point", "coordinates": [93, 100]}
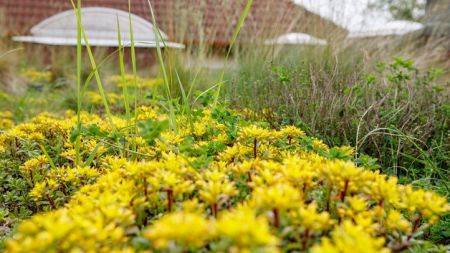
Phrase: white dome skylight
{"type": "Point", "coordinates": [100, 26]}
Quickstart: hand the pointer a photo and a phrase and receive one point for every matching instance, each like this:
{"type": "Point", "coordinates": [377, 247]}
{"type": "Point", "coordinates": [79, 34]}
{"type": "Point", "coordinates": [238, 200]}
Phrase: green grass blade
{"type": "Point", "coordinates": [93, 64]}
{"type": "Point", "coordinates": [193, 84]}
{"type": "Point", "coordinates": [237, 30]}
{"type": "Point", "coordinates": [122, 74]}
{"type": "Point", "coordinates": [92, 73]}
{"type": "Point", "coordinates": [99, 81]}
{"type": "Point", "coordinates": [205, 92]}
{"type": "Point", "coordinates": [10, 52]}
{"type": "Point", "coordinates": [159, 39]}
{"type": "Point", "coordinates": [50, 160]}
{"type": "Point", "coordinates": [92, 155]}
{"type": "Point", "coordinates": [79, 95]}
{"type": "Point", "coordinates": [134, 69]}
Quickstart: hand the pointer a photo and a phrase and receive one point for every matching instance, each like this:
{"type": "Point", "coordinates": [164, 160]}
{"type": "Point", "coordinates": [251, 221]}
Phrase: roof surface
{"type": "Point", "coordinates": [188, 21]}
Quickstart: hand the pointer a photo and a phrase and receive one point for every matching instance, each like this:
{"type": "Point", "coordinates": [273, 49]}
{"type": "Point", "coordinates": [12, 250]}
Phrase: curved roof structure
{"type": "Point", "coordinates": [359, 19]}
{"type": "Point", "coordinates": [100, 26]}
{"type": "Point", "coordinates": [392, 28]}
{"type": "Point", "coordinates": [296, 39]}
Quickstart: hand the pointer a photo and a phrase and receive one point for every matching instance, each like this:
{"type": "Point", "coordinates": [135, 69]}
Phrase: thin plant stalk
{"type": "Point", "coordinates": [78, 139]}
{"type": "Point", "coordinates": [237, 30]}
{"type": "Point", "coordinates": [159, 39]}
{"type": "Point", "coordinates": [134, 69]}
{"type": "Point", "coordinates": [94, 66]}
{"type": "Point", "coordinates": [122, 74]}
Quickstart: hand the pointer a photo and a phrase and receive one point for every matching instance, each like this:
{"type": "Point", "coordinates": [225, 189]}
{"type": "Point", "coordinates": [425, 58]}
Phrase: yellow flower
{"type": "Point", "coordinates": [307, 217]}
{"type": "Point", "coordinates": [36, 136]}
{"type": "Point", "coordinates": [215, 187]}
{"type": "Point", "coordinates": [6, 123]}
{"type": "Point", "coordinates": [396, 221]}
{"type": "Point", "coordinates": [35, 164]}
{"type": "Point", "coordinates": [279, 196]}
{"type": "Point", "coordinates": [246, 231]}
{"type": "Point", "coordinates": [69, 154]}
{"type": "Point", "coordinates": [131, 80]}
{"type": "Point", "coordinates": [319, 145]}
{"type": "Point", "coordinates": [34, 75]}
{"type": "Point", "coordinates": [38, 190]}
{"type": "Point", "coordinates": [428, 204]}
{"type": "Point", "coordinates": [291, 132]}
{"type": "Point", "coordinates": [350, 238]}
{"type": "Point", "coordinates": [235, 152]}
{"type": "Point", "coordinates": [199, 129]}
{"type": "Point", "coordinates": [347, 150]}
{"type": "Point", "coordinates": [383, 190]}
{"type": "Point", "coordinates": [175, 182]}
{"type": "Point", "coordinates": [267, 175]}
{"type": "Point", "coordinates": [345, 176]}
{"type": "Point", "coordinates": [300, 172]}
{"type": "Point", "coordinates": [184, 229]}
{"type": "Point", "coordinates": [146, 112]}
{"type": "Point", "coordinates": [253, 132]}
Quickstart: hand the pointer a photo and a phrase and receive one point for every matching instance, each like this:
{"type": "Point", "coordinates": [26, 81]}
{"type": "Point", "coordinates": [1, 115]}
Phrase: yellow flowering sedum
{"type": "Point", "coordinates": [280, 196]}
{"type": "Point", "coordinates": [308, 218]}
{"type": "Point", "coordinates": [291, 133]}
{"type": "Point", "coordinates": [131, 80]}
{"type": "Point", "coordinates": [212, 185]}
{"type": "Point", "coordinates": [246, 232]}
{"type": "Point", "coordinates": [350, 238]}
{"type": "Point", "coordinates": [34, 75]}
{"type": "Point", "coordinates": [180, 229]}
{"type": "Point", "coordinates": [215, 188]}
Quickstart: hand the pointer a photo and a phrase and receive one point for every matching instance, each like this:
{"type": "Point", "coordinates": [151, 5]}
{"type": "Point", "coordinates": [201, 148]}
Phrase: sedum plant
{"type": "Point", "coordinates": [203, 190]}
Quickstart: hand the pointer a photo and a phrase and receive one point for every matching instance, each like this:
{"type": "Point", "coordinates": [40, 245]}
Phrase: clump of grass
{"type": "Point", "coordinates": [8, 62]}
{"type": "Point", "coordinates": [393, 111]}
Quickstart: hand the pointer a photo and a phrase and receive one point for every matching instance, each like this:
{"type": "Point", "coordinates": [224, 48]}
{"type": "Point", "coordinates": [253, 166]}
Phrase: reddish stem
{"type": "Point", "coordinates": [416, 226]}
{"type": "Point", "coordinates": [64, 190]}
{"type": "Point", "coordinates": [305, 239]}
{"type": "Point", "coordinates": [401, 246]}
{"type": "Point", "coordinates": [31, 178]}
{"type": "Point", "coordinates": [289, 140]}
{"type": "Point", "coordinates": [214, 209]}
{"type": "Point", "coordinates": [145, 189]}
{"type": "Point", "coordinates": [249, 176]}
{"type": "Point", "coordinates": [344, 191]}
{"type": "Point", "coordinates": [255, 150]}
{"type": "Point", "coordinates": [276, 217]}
{"type": "Point", "coordinates": [169, 199]}
{"type": "Point", "coordinates": [50, 200]}
{"type": "Point", "coordinates": [305, 186]}
{"type": "Point", "coordinates": [327, 208]}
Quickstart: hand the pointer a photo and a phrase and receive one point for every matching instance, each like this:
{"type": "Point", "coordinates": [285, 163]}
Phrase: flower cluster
{"type": "Point", "coordinates": [216, 183]}
{"type": "Point", "coordinates": [6, 121]}
{"type": "Point", "coordinates": [96, 99]}
{"type": "Point", "coordinates": [36, 76]}
{"type": "Point", "coordinates": [131, 80]}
